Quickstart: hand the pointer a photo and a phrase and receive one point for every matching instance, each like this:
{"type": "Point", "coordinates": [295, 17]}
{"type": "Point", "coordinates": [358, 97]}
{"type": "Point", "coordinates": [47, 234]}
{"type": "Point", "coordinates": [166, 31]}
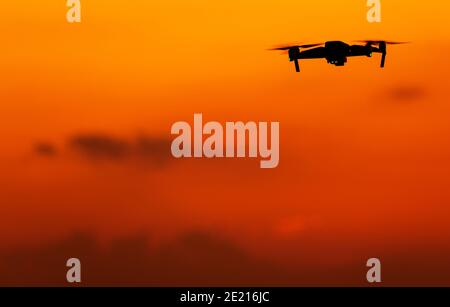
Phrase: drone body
{"type": "Point", "coordinates": [335, 52]}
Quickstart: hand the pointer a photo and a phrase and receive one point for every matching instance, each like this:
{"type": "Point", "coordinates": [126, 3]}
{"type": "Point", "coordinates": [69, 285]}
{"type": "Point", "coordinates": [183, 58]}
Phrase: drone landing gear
{"type": "Point", "coordinates": [383, 50]}
{"type": "Point", "coordinates": [294, 53]}
{"type": "Point", "coordinates": [383, 59]}
{"type": "Point", "coordinates": [297, 66]}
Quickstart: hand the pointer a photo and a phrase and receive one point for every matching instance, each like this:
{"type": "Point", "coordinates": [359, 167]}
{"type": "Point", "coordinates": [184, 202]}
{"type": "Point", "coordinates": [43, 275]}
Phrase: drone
{"type": "Point", "coordinates": [336, 52]}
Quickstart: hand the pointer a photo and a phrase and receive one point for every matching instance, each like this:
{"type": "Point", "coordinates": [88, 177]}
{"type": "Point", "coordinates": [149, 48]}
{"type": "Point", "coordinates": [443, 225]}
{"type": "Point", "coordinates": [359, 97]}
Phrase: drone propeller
{"type": "Point", "coordinates": [372, 42]}
{"type": "Point", "coordinates": [382, 47]}
{"type": "Point", "coordinates": [284, 47]}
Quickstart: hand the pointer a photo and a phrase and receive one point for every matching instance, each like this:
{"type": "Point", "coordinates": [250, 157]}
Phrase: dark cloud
{"type": "Point", "coordinates": [196, 258]}
{"type": "Point", "coordinates": [143, 148]}
{"type": "Point", "coordinates": [406, 92]}
{"type": "Point", "coordinates": [153, 148]}
{"type": "Point", "coordinates": [100, 146]}
{"type": "Point", "coordinates": [202, 258]}
{"type": "Point", "coordinates": [44, 265]}
{"type": "Point", "coordinates": [45, 149]}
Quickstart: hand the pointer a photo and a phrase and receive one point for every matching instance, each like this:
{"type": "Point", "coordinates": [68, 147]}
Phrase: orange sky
{"type": "Point", "coordinates": [364, 152]}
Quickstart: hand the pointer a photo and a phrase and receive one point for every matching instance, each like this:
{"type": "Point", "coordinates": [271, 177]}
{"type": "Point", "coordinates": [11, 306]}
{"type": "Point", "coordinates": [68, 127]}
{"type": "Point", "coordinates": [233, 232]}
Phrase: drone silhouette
{"type": "Point", "coordinates": [336, 52]}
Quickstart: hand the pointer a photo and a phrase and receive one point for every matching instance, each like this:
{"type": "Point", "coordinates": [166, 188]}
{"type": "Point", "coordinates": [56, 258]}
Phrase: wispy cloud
{"type": "Point", "coordinates": [45, 149]}
{"type": "Point", "coordinates": [100, 146]}
{"type": "Point", "coordinates": [406, 92]}
{"type": "Point", "coordinates": [107, 147]}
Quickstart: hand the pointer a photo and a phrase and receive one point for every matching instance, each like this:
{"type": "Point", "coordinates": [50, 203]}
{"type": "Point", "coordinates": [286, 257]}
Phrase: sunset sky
{"type": "Point", "coordinates": [86, 168]}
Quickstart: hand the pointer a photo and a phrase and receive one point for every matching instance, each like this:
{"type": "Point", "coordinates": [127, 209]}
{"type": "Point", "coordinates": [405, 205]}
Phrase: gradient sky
{"type": "Point", "coordinates": [364, 163]}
